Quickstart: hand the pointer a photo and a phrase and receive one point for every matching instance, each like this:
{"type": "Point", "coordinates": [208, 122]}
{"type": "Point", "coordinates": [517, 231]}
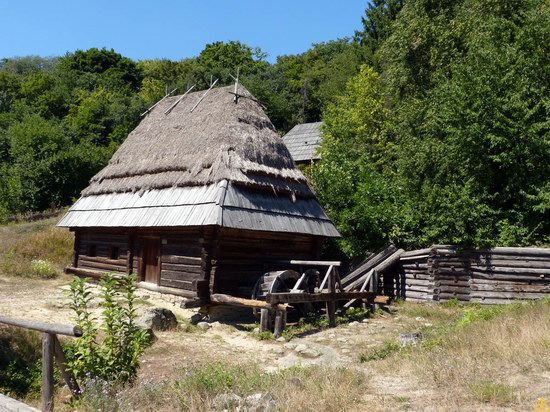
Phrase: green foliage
{"type": "Point", "coordinates": [388, 348]}
{"type": "Point", "coordinates": [493, 392]}
{"type": "Point", "coordinates": [20, 362]}
{"type": "Point", "coordinates": [114, 358]}
{"type": "Point", "coordinates": [42, 269]}
{"type": "Point", "coordinates": [452, 146]}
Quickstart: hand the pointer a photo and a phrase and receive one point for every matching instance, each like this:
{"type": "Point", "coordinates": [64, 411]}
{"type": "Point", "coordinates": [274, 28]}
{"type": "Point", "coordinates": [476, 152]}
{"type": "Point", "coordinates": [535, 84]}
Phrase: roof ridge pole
{"type": "Point", "coordinates": [204, 95]}
{"type": "Point", "coordinates": [156, 104]}
{"type": "Point", "coordinates": [179, 100]}
{"type": "Point", "coordinates": [236, 99]}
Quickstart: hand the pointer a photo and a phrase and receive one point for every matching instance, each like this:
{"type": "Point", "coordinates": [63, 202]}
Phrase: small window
{"type": "Point", "coordinates": [92, 251]}
{"type": "Point", "coordinates": [114, 253]}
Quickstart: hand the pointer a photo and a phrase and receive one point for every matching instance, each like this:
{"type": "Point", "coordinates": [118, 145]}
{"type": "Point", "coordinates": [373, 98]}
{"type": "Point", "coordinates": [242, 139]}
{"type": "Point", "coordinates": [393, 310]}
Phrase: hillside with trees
{"type": "Point", "coordinates": [436, 120]}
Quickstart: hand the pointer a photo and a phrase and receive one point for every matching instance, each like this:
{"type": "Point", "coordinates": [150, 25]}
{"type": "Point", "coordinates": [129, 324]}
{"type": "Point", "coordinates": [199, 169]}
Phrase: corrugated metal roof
{"type": "Point", "coordinates": [303, 140]}
{"type": "Point", "coordinates": [222, 204]}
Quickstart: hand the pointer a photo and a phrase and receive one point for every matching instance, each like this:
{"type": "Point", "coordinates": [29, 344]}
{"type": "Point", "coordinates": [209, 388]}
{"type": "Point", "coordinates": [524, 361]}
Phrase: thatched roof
{"type": "Point", "coordinates": [185, 168]}
{"type": "Point", "coordinates": [218, 140]}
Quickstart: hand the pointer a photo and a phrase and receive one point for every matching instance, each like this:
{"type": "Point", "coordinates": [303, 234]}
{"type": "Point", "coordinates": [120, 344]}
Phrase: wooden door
{"type": "Point", "coordinates": [150, 255]}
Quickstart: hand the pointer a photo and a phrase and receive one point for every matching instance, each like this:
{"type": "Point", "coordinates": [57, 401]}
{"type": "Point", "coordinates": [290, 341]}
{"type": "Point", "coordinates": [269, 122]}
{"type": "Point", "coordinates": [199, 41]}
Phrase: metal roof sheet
{"type": "Point", "coordinates": [222, 204]}
{"type": "Point", "coordinates": [303, 140]}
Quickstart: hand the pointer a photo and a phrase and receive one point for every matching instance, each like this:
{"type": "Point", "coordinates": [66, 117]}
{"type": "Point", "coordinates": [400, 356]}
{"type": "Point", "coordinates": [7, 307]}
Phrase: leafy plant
{"type": "Point", "coordinates": [42, 268]}
{"type": "Point", "coordinates": [111, 350]}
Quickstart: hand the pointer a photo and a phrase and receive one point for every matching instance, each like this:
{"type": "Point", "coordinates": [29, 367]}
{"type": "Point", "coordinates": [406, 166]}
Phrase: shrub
{"type": "Point", "coordinates": [115, 358]}
{"type": "Point", "coordinates": [42, 269]}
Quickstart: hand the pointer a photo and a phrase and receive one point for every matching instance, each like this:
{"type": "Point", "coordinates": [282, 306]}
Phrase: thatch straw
{"type": "Point", "coordinates": [219, 140]}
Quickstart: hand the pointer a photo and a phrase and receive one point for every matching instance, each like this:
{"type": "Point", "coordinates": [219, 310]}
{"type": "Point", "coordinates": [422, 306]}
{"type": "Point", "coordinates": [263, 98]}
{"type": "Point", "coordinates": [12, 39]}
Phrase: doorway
{"type": "Point", "coordinates": [150, 260]}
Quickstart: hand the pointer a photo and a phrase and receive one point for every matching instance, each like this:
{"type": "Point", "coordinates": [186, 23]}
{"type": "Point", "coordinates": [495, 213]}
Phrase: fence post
{"type": "Point", "coordinates": [47, 371]}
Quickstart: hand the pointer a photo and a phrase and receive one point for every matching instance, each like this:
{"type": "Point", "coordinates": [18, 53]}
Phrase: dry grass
{"type": "Point", "coordinates": [20, 244]}
{"type": "Point", "coordinates": [473, 358]}
{"type": "Point", "coordinates": [295, 389]}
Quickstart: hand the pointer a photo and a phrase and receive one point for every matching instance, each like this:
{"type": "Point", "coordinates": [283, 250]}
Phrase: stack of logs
{"type": "Point", "coordinates": [498, 275]}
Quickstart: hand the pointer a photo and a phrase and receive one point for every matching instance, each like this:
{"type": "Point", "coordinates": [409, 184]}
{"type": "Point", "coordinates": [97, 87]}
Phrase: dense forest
{"type": "Point", "coordinates": [437, 120]}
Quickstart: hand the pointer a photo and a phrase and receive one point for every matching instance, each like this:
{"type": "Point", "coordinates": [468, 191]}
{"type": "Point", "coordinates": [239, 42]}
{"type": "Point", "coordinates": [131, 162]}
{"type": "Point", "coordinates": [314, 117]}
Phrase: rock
{"type": "Point", "coordinates": [332, 336]}
{"type": "Point", "coordinates": [365, 320]}
{"type": "Point", "coordinates": [354, 323]}
{"type": "Point", "coordinates": [278, 351]}
{"type": "Point", "coordinates": [204, 325]}
{"type": "Point", "coordinates": [342, 340]}
{"type": "Point", "coordinates": [420, 319]}
{"type": "Point", "coordinates": [410, 339]}
{"type": "Point", "coordinates": [300, 348]}
{"type": "Point", "coordinates": [346, 351]}
{"type": "Point", "coordinates": [281, 339]}
{"type": "Point", "coordinates": [258, 402]}
{"type": "Point", "coordinates": [310, 353]}
{"type": "Point", "coordinates": [428, 325]}
{"type": "Point", "coordinates": [215, 324]}
{"type": "Point", "coordinates": [290, 345]}
{"type": "Point", "coordinates": [256, 330]}
{"type": "Point", "coordinates": [158, 319]}
{"type": "Point", "coordinates": [197, 317]}
{"type": "Point", "coordinates": [226, 401]}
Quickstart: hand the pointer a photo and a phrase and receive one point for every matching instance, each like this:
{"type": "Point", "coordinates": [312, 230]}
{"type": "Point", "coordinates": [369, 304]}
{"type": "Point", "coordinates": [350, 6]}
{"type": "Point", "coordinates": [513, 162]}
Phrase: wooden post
{"type": "Point", "coordinates": [331, 304]}
{"type": "Point", "coordinates": [130, 255]}
{"type": "Point", "coordinates": [47, 371]}
{"type": "Point", "coordinates": [264, 320]}
{"type": "Point", "coordinates": [76, 250]}
{"type": "Point", "coordinates": [68, 377]}
{"type": "Point", "coordinates": [280, 321]}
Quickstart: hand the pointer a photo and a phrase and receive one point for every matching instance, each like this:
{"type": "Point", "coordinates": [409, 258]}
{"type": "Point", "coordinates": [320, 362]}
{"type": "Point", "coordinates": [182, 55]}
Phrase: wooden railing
{"type": "Point", "coordinates": [51, 348]}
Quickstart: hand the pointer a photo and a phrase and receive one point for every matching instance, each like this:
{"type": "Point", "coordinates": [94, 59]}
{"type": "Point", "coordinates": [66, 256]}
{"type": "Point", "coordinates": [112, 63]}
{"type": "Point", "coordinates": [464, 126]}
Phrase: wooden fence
{"type": "Point", "coordinates": [491, 276]}
{"type": "Point", "coordinates": [51, 349]}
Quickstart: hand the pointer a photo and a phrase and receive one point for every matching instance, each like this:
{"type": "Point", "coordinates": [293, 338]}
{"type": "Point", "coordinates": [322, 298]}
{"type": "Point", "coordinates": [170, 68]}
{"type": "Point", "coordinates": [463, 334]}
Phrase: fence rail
{"type": "Point", "coordinates": [51, 349]}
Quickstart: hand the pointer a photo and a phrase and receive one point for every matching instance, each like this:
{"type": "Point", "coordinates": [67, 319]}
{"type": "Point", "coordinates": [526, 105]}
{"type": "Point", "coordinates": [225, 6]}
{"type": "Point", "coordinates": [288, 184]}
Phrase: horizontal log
{"type": "Point", "coordinates": [101, 266]}
{"type": "Point", "coordinates": [537, 281]}
{"type": "Point", "coordinates": [421, 275]}
{"type": "Point", "coordinates": [491, 301]}
{"type": "Point", "coordinates": [166, 290]}
{"type": "Point", "coordinates": [169, 274]}
{"type": "Point", "coordinates": [415, 265]}
{"type": "Point", "coordinates": [418, 295]}
{"type": "Point", "coordinates": [511, 288]}
{"type": "Point", "coordinates": [508, 295]}
{"type": "Point", "coordinates": [511, 258]}
{"type": "Point", "coordinates": [518, 251]}
{"type": "Point", "coordinates": [323, 297]}
{"type": "Point", "coordinates": [176, 267]}
{"type": "Point", "coordinates": [416, 253]}
{"type": "Point", "coordinates": [177, 284]}
{"type": "Point", "coordinates": [248, 303]}
{"type": "Point", "coordinates": [185, 260]}
{"type": "Point", "coordinates": [421, 282]}
{"type": "Point", "coordinates": [54, 328]}
{"type": "Point", "coordinates": [457, 289]}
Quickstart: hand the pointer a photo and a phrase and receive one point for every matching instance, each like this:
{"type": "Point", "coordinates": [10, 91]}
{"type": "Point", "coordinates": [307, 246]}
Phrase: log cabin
{"type": "Point", "coordinates": [202, 197]}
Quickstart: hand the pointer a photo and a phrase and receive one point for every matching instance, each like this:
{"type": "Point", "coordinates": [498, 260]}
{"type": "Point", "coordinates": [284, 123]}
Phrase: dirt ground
{"type": "Point", "coordinates": [230, 338]}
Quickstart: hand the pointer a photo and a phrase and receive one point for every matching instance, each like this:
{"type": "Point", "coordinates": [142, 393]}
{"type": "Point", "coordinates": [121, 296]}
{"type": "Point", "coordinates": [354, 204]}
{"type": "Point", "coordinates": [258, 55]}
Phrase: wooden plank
{"type": "Point", "coordinates": [380, 268]}
{"type": "Point", "coordinates": [177, 267]}
{"type": "Point", "coordinates": [167, 290]}
{"type": "Point", "coordinates": [368, 265]}
{"type": "Point", "coordinates": [185, 260]}
{"type": "Point", "coordinates": [172, 275]}
{"type": "Point", "coordinates": [47, 371]}
{"type": "Point", "coordinates": [53, 328]}
{"type": "Point", "coordinates": [280, 321]}
{"type": "Point", "coordinates": [177, 284]}
{"type": "Point", "coordinates": [511, 288]}
{"type": "Point", "coordinates": [67, 375]}
{"type": "Point", "coordinates": [320, 297]}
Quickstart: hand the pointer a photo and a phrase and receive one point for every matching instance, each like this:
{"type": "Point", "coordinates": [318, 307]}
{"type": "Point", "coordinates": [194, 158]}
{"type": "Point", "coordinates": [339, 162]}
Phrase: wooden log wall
{"type": "Point", "coordinates": [415, 283]}
{"type": "Point", "coordinates": [241, 257]}
{"type": "Point", "coordinates": [100, 244]}
{"type": "Point", "coordinates": [181, 260]}
{"type": "Point", "coordinates": [493, 276]}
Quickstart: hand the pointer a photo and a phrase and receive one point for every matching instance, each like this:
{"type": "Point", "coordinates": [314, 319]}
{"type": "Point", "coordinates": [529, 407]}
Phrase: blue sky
{"type": "Point", "coordinates": [172, 29]}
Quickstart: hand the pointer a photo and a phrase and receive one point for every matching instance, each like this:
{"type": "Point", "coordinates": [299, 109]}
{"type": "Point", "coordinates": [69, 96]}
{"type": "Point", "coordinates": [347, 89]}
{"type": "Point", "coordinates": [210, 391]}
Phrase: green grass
{"type": "Point", "coordinates": [493, 392]}
{"type": "Point", "coordinates": [389, 347]}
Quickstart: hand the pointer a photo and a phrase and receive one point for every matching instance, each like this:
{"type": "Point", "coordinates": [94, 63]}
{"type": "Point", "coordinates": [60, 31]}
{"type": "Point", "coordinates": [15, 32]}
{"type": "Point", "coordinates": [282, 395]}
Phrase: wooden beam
{"type": "Point", "coordinates": [12, 405]}
{"type": "Point", "coordinates": [53, 328]}
{"type": "Point", "coordinates": [274, 298]}
{"type": "Point", "coordinates": [47, 372]}
{"type": "Point", "coordinates": [67, 375]}
{"type": "Point", "coordinates": [248, 303]}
